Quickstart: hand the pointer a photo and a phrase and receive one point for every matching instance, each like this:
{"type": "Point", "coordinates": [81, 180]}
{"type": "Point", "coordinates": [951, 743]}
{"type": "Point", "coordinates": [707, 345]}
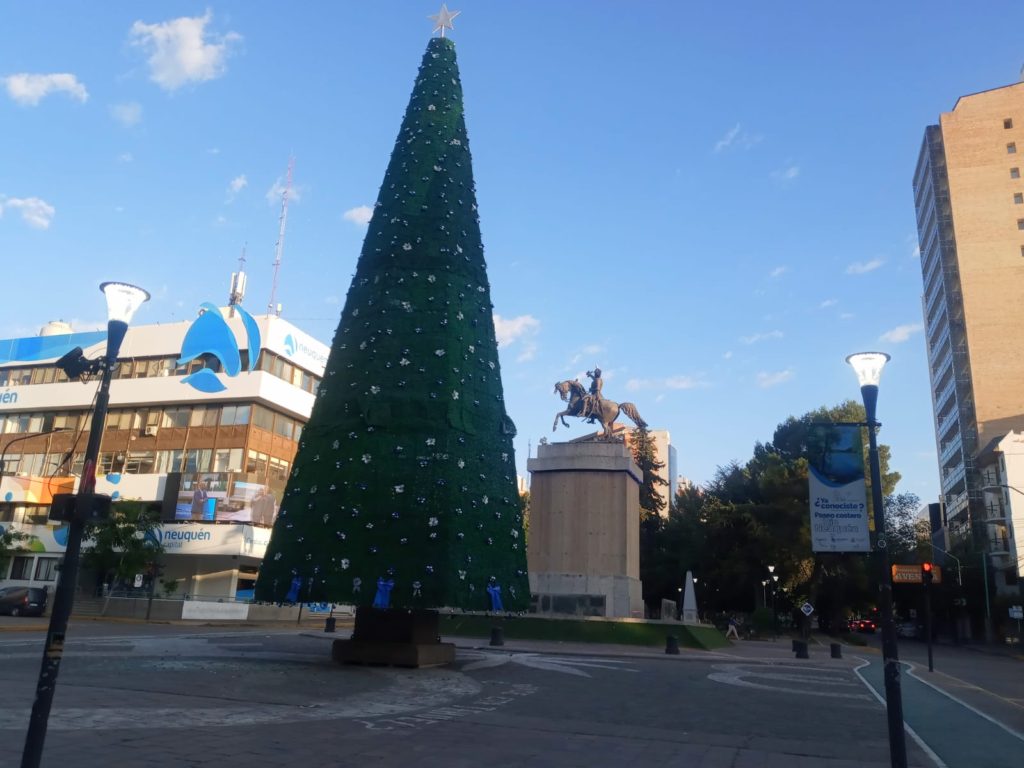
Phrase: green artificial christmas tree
{"type": "Point", "coordinates": [404, 493]}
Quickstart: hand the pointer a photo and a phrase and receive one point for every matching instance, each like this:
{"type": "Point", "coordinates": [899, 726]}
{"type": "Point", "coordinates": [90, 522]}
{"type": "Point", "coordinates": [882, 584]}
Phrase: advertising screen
{"type": "Point", "coordinates": [226, 497]}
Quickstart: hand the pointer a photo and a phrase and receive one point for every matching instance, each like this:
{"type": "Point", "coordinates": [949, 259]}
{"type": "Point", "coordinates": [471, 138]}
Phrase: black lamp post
{"type": "Point", "coordinates": [868, 366]}
{"type": "Point", "coordinates": [122, 302]}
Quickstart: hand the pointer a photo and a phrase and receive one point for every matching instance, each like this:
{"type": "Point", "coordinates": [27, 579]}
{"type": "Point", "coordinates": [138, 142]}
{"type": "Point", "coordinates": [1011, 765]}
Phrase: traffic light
{"type": "Point", "coordinates": [926, 573]}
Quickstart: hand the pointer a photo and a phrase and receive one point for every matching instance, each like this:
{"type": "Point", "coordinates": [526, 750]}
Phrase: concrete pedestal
{"type": "Point", "coordinates": [394, 638]}
{"type": "Point", "coordinates": [584, 543]}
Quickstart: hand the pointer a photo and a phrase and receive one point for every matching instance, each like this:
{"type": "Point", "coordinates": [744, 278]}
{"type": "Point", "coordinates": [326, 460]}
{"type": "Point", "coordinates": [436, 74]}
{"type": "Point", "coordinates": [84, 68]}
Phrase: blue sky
{"type": "Point", "coordinates": [710, 201]}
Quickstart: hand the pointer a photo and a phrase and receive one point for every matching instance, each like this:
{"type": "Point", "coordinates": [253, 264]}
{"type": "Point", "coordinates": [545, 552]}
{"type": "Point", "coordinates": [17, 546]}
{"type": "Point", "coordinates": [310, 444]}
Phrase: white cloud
{"type": "Point", "coordinates": [236, 185]}
{"type": "Point", "coordinates": [181, 51]}
{"type": "Point", "coordinates": [332, 300]}
{"type": "Point", "coordinates": [736, 138]}
{"type": "Point", "coordinates": [828, 303]}
{"type": "Point", "coordinates": [761, 337]}
{"type": "Point", "coordinates": [361, 214]}
{"type": "Point", "coordinates": [523, 328]}
{"type": "Point", "coordinates": [862, 267]}
{"type": "Point", "coordinates": [31, 89]}
{"type": "Point", "coordinates": [37, 213]}
{"type": "Point", "coordinates": [276, 192]}
{"type": "Point", "coordinates": [587, 351]}
{"type": "Point", "coordinates": [901, 333]}
{"type": "Point", "coordinates": [787, 174]}
{"type": "Point", "coordinates": [126, 157]}
{"type": "Point", "coordinates": [778, 272]}
{"type": "Point", "coordinates": [671, 382]}
{"type": "Point", "coordinates": [128, 114]}
{"type": "Point", "coordinates": [727, 355]}
{"type": "Point", "coordinates": [766, 379]}
{"type": "Point", "coordinates": [847, 316]}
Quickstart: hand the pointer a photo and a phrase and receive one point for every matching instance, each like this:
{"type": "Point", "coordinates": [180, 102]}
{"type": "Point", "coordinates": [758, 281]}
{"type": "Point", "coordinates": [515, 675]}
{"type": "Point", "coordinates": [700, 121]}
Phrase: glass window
{"type": "Point", "coordinates": [21, 568]}
{"type": "Point", "coordinates": [204, 417]}
{"type": "Point", "coordinates": [140, 463]}
{"type": "Point", "coordinates": [1015, 173]}
{"type": "Point", "coordinates": [46, 568]}
{"type": "Point", "coordinates": [232, 415]}
{"type": "Point", "coordinates": [260, 464]}
{"type": "Point", "coordinates": [297, 435]}
{"type": "Point", "coordinates": [168, 461]}
{"type": "Point", "coordinates": [32, 464]}
{"type": "Point", "coordinates": [1011, 148]}
{"type": "Point", "coordinates": [4, 373]}
{"type": "Point", "coordinates": [1018, 198]}
{"type": "Point", "coordinates": [35, 422]}
{"type": "Point", "coordinates": [278, 470]}
{"type": "Point", "coordinates": [65, 421]}
{"type": "Point", "coordinates": [198, 460]}
{"type": "Point", "coordinates": [287, 371]}
{"type": "Point", "coordinates": [176, 418]}
{"type": "Point", "coordinates": [54, 463]}
{"type": "Point", "coordinates": [6, 513]}
{"type": "Point", "coordinates": [283, 426]}
{"type": "Point", "coordinates": [263, 418]}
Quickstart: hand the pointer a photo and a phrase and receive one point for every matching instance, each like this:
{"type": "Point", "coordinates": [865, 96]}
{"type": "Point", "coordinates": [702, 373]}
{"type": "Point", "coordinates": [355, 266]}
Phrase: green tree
{"type": "Point", "coordinates": [11, 542]}
{"type": "Point", "coordinates": [757, 514]}
{"type": "Point", "coordinates": [406, 473]}
{"type": "Point", "coordinates": [645, 454]}
{"type": "Point", "coordinates": [124, 544]}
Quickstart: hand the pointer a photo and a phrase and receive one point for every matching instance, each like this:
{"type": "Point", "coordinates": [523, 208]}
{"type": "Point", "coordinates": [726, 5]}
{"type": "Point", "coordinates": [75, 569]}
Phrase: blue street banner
{"type": "Point", "coordinates": [838, 493]}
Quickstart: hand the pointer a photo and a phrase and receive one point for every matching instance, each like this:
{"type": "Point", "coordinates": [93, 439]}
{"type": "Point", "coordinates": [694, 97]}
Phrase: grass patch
{"type": "Point", "coordinates": [650, 634]}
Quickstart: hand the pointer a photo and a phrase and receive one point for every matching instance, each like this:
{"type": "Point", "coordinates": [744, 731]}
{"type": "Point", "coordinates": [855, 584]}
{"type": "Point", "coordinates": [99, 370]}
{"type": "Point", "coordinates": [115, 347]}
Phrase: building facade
{"type": "Point", "coordinates": [969, 199]}
{"type": "Point", "coordinates": [214, 462]}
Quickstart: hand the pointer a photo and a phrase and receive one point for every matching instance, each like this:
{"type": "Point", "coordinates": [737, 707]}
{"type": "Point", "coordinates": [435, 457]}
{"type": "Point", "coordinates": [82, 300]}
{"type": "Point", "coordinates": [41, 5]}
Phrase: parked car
{"type": "Point", "coordinates": [866, 625]}
{"type": "Point", "coordinates": [23, 601]}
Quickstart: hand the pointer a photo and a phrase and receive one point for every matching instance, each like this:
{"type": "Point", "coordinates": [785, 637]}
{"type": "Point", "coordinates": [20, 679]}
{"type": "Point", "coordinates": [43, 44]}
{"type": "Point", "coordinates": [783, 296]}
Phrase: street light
{"type": "Point", "coordinates": [868, 367]}
{"type": "Point", "coordinates": [122, 302]}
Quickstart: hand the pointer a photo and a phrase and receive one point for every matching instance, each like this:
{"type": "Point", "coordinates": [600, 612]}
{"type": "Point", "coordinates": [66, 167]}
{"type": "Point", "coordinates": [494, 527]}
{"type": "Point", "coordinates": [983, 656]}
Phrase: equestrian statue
{"type": "Point", "coordinates": [592, 405]}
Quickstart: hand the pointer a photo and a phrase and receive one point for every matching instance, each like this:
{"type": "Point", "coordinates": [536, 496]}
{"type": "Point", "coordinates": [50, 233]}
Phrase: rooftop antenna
{"type": "Point", "coordinates": [237, 292]}
{"type": "Point", "coordinates": [273, 308]}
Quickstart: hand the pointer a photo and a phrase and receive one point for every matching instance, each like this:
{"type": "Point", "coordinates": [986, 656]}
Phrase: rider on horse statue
{"type": "Point", "coordinates": [592, 403]}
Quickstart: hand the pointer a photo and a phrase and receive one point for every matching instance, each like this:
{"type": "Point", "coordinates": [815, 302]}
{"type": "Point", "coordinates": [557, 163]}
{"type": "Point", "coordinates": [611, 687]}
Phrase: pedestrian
{"type": "Point", "coordinates": [731, 631]}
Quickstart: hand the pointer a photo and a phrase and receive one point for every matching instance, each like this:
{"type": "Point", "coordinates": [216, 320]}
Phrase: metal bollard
{"type": "Point", "coordinates": [837, 651]}
{"type": "Point", "coordinates": [801, 650]}
{"type": "Point", "coordinates": [497, 636]}
{"type": "Point", "coordinates": [795, 641]}
{"type": "Point", "coordinates": [672, 645]}
{"type": "Point", "coordinates": [329, 624]}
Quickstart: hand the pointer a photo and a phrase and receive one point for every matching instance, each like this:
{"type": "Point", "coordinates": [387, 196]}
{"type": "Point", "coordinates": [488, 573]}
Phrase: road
{"type": "Point", "coordinates": [170, 695]}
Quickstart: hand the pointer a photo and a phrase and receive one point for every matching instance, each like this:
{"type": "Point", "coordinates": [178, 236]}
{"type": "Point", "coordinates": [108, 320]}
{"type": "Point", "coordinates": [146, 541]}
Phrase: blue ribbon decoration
{"type": "Point", "coordinates": [383, 597]}
{"type": "Point", "coordinates": [494, 590]}
{"type": "Point", "coordinates": [293, 591]}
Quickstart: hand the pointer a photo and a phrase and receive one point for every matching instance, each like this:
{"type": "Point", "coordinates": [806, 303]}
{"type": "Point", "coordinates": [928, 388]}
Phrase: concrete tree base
{"type": "Point", "coordinates": [395, 638]}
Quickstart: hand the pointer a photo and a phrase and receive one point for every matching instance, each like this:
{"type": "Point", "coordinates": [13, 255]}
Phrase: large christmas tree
{"type": "Point", "coordinates": [404, 491]}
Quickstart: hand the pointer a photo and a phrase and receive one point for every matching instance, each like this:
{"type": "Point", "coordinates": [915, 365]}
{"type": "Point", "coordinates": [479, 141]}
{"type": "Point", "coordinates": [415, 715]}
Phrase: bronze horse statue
{"type": "Point", "coordinates": [608, 411]}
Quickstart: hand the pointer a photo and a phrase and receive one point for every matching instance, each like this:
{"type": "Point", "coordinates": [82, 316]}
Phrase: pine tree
{"type": "Point", "coordinates": [404, 484]}
{"type": "Point", "coordinates": [645, 454]}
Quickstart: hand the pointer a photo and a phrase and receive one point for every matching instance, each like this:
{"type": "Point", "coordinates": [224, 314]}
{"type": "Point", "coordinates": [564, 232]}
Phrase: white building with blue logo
{"type": "Point", "coordinates": [205, 419]}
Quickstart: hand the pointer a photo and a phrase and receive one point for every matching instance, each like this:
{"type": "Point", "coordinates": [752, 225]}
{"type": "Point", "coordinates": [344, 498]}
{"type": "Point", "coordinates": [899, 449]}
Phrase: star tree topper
{"type": "Point", "coordinates": [443, 19]}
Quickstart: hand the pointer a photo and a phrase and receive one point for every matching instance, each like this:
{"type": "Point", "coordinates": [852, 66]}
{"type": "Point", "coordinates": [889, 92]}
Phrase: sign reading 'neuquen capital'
{"type": "Point", "coordinates": [838, 496]}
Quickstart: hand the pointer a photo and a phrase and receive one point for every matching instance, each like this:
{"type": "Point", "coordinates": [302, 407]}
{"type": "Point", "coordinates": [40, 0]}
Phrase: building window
{"type": "Point", "coordinates": [234, 415]}
{"type": "Point", "coordinates": [205, 417]}
{"type": "Point", "coordinates": [21, 568]}
{"type": "Point", "coordinates": [1008, 122]}
{"type": "Point", "coordinates": [1020, 223]}
{"type": "Point", "coordinates": [1011, 148]}
{"type": "Point", "coordinates": [140, 463]}
{"type": "Point", "coordinates": [227, 460]}
{"type": "Point", "coordinates": [1015, 173]}
{"type": "Point", "coordinates": [176, 418]}
{"type": "Point", "coordinates": [1018, 198]}
{"type": "Point", "coordinates": [168, 461]}
{"type": "Point", "coordinates": [198, 460]}
{"type": "Point", "coordinates": [46, 568]}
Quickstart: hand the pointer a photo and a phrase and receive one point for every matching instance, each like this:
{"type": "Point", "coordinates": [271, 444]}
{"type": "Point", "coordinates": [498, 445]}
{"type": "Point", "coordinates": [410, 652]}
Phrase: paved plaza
{"type": "Point", "coordinates": [172, 695]}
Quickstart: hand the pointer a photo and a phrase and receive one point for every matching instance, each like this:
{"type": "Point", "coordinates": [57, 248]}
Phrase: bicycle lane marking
{"type": "Point", "coordinates": [927, 716]}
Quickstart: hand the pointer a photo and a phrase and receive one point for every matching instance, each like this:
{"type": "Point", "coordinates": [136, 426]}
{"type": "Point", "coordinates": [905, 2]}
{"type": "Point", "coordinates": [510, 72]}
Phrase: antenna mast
{"type": "Point", "coordinates": [237, 293]}
{"type": "Point", "coordinates": [272, 308]}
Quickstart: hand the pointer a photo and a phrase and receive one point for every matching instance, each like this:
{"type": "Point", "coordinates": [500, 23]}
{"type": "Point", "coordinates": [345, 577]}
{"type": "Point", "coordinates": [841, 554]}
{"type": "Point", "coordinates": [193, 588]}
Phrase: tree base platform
{"type": "Point", "coordinates": [394, 637]}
